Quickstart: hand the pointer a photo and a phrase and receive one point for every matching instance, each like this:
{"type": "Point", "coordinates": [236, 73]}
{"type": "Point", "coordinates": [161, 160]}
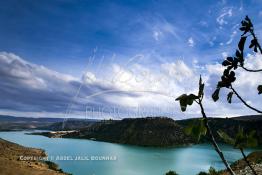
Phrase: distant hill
{"type": "Point", "coordinates": [10, 123]}
{"type": "Point", "coordinates": [249, 117]}
{"type": "Point", "coordinates": [150, 131]}
{"type": "Point", "coordinates": [139, 131]}
{"type": "Point", "coordinates": [6, 118]}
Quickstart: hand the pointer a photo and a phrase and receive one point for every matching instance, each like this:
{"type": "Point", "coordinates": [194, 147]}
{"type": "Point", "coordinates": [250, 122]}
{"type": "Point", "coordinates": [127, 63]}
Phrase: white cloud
{"type": "Point", "coordinates": [231, 37]}
{"type": "Point", "coordinates": [157, 35]}
{"type": "Point", "coordinates": [224, 54]}
{"type": "Point", "coordinates": [191, 42]}
{"type": "Point", "coordinates": [89, 77]}
{"type": "Point", "coordinates": [226, 12]}
{"type": "Point", "coordinates": [34, 89]}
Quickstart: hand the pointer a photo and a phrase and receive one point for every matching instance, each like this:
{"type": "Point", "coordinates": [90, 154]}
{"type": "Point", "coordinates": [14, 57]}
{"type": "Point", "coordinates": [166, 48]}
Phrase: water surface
{"type": "Point", "coordinates": [130, 160]}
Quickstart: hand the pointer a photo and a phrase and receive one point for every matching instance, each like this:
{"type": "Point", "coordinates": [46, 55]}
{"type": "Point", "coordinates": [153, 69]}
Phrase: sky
{"type": "Point", "coordinates": [121, 58]}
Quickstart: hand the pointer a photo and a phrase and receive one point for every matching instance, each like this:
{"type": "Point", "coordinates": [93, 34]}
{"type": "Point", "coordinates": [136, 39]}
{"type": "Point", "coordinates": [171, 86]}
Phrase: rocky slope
{"type": "Point", "coordinates": [240, 167]}
{"type": "Point", "coordinates": [13, 161]}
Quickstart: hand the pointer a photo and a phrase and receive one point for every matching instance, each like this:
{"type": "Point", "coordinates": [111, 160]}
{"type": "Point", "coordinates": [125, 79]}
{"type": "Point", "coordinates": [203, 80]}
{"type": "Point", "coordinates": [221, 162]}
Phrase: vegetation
{"type": "Point", "coordinates": [241, 139]}
{"type": "Point", "coordinates": [171, 173]}
{"type": "Point", "coordinates": [203, 127]}
{"type": "Point", "coordinates": [211, 171]}
{"type": "Point", "coordinates": [52, 165]}
{"type": "Point", "coordinates": [228, 78]}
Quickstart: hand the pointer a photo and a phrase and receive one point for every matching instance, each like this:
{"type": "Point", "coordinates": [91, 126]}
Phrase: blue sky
{"type": "Point", "coordinates": [62, 35]}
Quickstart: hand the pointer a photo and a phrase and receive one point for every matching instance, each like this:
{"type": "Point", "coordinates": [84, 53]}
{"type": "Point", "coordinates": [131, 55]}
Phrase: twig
{"type": "Point", "coordinates": [251, 70]}
{"type": "Point", "coordinates": [244, 102]}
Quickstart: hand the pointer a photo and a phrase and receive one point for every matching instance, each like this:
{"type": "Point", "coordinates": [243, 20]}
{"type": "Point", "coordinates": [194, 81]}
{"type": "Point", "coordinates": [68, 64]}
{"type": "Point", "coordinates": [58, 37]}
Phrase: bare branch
{"type": "Point", "coordinates": [211, 135]}
{"type": "Point", "coordinates": [244, 102]}
{"type": "Point", "coordinates": [251, 70]}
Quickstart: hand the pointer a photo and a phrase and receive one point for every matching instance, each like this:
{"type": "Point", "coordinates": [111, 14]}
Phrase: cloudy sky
{"type": "Point", "coordinates": [121, 58]}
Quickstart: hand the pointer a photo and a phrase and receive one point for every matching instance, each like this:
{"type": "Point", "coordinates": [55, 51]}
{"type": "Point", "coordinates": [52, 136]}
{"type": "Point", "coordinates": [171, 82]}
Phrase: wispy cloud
{"type": "Point", "coordinates": [226, 12]}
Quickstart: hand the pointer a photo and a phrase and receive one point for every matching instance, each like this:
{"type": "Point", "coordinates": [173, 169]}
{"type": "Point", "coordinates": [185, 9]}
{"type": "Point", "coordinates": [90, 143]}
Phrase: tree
{"type": "Point", "coordinates": [204, 128]}
{"type": "Point", "coordinates": [228, 78]}
{"type": "Point", "coordinates": [238, 61]}
{"type": "Point", "coordinates": [240, 142]}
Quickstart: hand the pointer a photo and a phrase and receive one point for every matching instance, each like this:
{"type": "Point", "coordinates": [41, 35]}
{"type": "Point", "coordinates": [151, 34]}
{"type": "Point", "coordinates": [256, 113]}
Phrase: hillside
{"type": "Point", "coordinates": [11, 162]}
{"type": "Point", "coordinates": [140, 131]}
{"type": "Point", "coordinates": [231, 125]}
{"type": "Point", "coordinates": [151, 131]}
{"type": "Point", "coordinates": [155, 131]}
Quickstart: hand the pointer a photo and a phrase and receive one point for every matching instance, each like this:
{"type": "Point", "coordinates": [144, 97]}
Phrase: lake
{"type": "Point", "coordinates": [86, 157]}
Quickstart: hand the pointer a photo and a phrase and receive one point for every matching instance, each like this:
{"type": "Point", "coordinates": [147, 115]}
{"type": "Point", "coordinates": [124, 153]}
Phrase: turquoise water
{"type": "Point", "coordinates": [130, 160]}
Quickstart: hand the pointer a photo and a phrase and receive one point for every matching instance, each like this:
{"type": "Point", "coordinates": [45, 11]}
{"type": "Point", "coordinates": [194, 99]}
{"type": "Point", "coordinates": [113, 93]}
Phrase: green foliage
{"type": "Point", "coordinates": [211, 171]}
{"type": "Point", "coordinates": [171, 173]}
{"type": "Point", "coordinates": [52, 165]}
{"type": "Point", "coordinates": [185, 99]}
{"type": "Point", "coordinates": [196, 129]}
{"type": "Point", "coordinates": [202, 173]}
{"type": "Point", "coordinates": [226, 138]}
{"type": "Point", "coordinates": [241, 140]}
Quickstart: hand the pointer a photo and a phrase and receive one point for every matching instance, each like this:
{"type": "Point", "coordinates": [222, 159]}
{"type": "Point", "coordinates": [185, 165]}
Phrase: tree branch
{"type": "Point", "coordinates": [244, 102]}
{"type": "Point", "coordinates": [211, 135]}
{"type": "Point", "coordinates": [248, 163]}
{"type": "Point", "coordinates": [251, 70]}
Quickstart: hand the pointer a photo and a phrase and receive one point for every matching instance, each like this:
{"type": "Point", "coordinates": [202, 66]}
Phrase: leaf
{"type": "Point", "coordinates": [226, 63]}
{"type": "Point", "coordinates": [226, 72]}
{"type": "Point", "coordinates": [232, 77]}
{"type": "Point", "coordinates": [241, 43]}
{"type": "Point", "coordinates": [196, 129]}
{"type": "Point", "coordinates": [230, 59]}
{"type": "Point", "coordinates": [229, 97]}
{"type": "Point", "coordinates": [253, 43]}
{"type": "Point", "coordinates": [259, 88]}
{"type": "Point", "coordinates": [183, 102]}
{"type": "Point", "coordinates": [242, 28]}
{"type": "Point", "coordinates": [183, 96]}
{"type": "Point", "coordinates": [201, 87]}
{"type": "Point", "coordinates": [191, 98]}
{"type": "Point", "coordinates": [226, 138]}
{"type": "Point", "coordinates": [215, 95]}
